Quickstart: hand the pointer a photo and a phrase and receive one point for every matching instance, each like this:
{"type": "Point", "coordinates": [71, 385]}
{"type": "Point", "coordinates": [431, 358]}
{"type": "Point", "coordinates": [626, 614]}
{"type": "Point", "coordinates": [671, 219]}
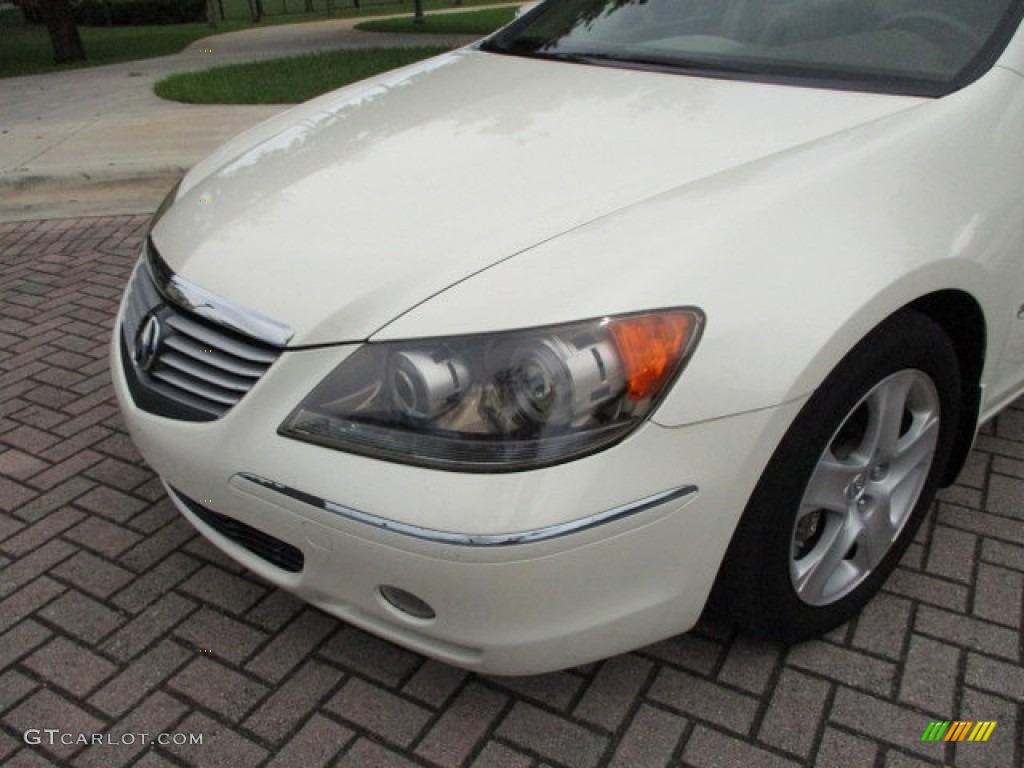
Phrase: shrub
{"type": "Point", "coordinates": [30, 11]}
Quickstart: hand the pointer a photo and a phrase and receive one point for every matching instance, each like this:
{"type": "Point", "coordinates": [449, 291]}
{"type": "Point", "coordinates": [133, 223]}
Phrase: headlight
{"type": "Point", "coordinates": [501, 402]}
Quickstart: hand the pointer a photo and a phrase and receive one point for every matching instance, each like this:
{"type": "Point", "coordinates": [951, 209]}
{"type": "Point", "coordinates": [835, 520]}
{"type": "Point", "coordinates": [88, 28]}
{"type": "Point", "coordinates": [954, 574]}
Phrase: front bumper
{"type": "Point", "coordinates": [524, 572]}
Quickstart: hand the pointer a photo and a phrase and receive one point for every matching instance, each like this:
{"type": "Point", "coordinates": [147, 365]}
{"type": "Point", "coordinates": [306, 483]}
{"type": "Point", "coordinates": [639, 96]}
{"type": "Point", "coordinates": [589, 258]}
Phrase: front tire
{"type": "Point", "coordinates": [848, 486]}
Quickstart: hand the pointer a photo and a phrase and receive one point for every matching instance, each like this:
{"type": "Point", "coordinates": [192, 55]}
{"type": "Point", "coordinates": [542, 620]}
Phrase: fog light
{"type": "Point", "coordinates": [407, 603]}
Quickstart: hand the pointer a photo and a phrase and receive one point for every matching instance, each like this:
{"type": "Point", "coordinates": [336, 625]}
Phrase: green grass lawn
{"type": "Point", "coordinates": [25, 49]}
{"type": "Point", "coordinates": [468, 23]}
{"type": "Point", "coordinates": [289, 80]}
{"type": "Point", "coordinates": [297, 78]}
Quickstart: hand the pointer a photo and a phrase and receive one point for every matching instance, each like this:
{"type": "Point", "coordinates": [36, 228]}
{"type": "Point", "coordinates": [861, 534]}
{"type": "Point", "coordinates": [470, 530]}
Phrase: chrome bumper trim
{"type": "Point", "coordinates": [469, 539]}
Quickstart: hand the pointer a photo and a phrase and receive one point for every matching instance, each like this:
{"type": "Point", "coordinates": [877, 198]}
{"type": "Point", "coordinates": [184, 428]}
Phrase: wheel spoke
{"type": "Point", "coordinates": [811, 574]}
{"type": "Point", "coordinates": [877, 532]}
{"type": "Point", "coordinates": [915, 452]}
{"type": "Point", "coordinates": [904, 474]}
{"type": "Point", "coordinates": [886, 406]}
{"type": "Point", "coordinates": [827, 486]}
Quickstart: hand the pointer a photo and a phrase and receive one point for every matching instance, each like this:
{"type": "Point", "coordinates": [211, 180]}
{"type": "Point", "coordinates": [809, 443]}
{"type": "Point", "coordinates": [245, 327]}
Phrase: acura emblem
{"type": "Point", "coordinates": [147, 343]}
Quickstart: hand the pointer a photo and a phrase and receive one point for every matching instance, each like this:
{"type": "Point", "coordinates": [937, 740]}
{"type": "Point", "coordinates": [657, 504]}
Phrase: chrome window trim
{"type": "Point", "coordinates": [468, 539]}
{"type": "Point", "coordinates": [217, 309]}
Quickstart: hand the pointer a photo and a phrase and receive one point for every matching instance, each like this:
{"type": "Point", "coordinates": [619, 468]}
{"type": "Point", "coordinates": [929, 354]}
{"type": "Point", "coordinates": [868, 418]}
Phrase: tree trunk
{"type": "Point", "coordinates": [417, 15]}
{"type": "Point", "coordinates": [60, 23]}
{"type": "Point", "coordinates": [211, 14]}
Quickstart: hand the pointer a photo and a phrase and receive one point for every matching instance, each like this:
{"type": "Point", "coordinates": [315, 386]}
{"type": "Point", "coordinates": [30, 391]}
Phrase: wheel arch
{"type": "Point", "coordinates": [961, 318]}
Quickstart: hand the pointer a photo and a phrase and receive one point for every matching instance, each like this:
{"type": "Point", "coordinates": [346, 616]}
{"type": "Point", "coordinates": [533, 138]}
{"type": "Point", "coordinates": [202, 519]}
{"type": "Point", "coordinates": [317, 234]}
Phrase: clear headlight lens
{"type": "Point", "coordinates": [500, 402]}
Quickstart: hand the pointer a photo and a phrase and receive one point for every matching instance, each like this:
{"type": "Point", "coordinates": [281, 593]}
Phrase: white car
{"type": "Point", "coordinates": [517, 356]}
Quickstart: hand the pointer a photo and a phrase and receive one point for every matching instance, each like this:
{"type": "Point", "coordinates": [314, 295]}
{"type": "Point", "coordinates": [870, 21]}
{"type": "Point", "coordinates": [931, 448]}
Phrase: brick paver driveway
{"type": "Point", "coordinates": [118, 623]}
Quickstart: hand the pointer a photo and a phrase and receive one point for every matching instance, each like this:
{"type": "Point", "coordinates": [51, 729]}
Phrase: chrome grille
{"type": "Point", "coordinates": [187, 366]}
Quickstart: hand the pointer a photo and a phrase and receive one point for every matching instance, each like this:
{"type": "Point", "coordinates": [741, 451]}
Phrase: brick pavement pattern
{"type": "Point", "coordinates": [117, 619]}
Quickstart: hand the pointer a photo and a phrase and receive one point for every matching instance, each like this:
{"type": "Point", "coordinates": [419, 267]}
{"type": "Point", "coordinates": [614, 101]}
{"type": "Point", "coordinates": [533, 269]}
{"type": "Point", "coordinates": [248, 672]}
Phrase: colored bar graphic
{"type": "Point", "coordinates": [935, 730]}
{"type": "Point", "coordinates": [982, 731]}
{"type": "Point", "coordinates": [958, 730]}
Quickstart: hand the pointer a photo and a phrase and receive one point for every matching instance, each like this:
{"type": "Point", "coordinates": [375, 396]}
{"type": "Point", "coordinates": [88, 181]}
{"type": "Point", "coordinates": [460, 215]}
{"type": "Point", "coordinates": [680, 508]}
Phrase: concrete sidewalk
{"type": "Point", "coordinates": [98, 141]}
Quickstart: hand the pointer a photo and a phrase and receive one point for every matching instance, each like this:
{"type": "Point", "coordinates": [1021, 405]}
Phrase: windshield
{"type": "Point", "coordinates": [925, 47]}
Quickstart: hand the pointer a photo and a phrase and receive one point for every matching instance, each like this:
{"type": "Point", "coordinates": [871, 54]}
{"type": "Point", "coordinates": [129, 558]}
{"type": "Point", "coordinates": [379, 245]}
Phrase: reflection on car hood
{"type": "Point", "coordinates": [342, 214]}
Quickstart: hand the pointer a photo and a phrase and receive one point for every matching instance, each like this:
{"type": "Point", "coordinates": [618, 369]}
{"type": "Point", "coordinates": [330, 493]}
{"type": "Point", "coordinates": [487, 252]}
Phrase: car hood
{"type": "Point", "coordinates": [342, 214]}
